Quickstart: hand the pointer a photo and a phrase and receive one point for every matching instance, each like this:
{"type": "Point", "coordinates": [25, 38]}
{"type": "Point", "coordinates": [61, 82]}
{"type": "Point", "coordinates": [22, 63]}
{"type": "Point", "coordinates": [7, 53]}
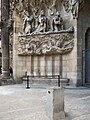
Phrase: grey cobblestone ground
{"type": "Point", "coordinates": [18, 103]}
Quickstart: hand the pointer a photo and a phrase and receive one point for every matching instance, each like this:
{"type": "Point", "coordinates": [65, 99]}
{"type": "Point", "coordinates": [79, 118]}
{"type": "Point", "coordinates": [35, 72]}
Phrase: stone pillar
{"type": "Point", "coordinates": [5, 38]}
{"type": "Point", "coordinates": [55, 104]}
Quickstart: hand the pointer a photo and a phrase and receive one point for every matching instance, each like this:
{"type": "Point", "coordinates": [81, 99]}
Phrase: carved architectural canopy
{"type": "Point", "coordinates": [35, 6]}
{"type": "Point", "coordinates": [39, 44]}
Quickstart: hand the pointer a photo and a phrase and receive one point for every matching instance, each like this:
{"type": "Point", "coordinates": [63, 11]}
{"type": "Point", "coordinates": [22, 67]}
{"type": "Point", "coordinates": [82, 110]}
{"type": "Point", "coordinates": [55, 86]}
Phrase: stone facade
{"type": "Point", "coordinates": [49, 37]}
{"type": "Point", "coordinates": [49, 49]}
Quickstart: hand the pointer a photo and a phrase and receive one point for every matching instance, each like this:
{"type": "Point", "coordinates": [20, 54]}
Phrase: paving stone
{"type": "Point", "coordinates": [19, 103]}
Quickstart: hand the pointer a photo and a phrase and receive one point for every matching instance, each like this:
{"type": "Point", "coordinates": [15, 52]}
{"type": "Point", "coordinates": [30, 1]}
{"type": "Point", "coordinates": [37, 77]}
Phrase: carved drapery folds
{"type": "Point", "coordinates": [38, 15]}
{"type": "Point", "coordinates": [73, 6]}
{"type": "Point", "coordinates": [40, 23]}
{"type": "Point", "coordinates": [45, 44]}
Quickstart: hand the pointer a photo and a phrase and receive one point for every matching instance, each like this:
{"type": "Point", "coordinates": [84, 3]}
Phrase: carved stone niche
{"type": "Point", "coordinates": [40, 44]}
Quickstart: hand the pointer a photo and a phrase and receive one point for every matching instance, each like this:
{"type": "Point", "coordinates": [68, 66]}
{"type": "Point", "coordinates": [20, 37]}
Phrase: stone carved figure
{"type": "Point", "coordinates": [36, 18]}
{"type": "Point", "coordinates": [51, 16]}
{"type": "Point", "coordinates": [27, 23]}
{"type": "Point", "coordinates": [66, 5]}
{"type": "Point", "coordinates": [42, 23]}
{"type": "Point", "coordinates": [71, 6]}
{"type": "Point", "coordinates": [74, 8]}
{"type": "Point", "coordinates": [58, 22]}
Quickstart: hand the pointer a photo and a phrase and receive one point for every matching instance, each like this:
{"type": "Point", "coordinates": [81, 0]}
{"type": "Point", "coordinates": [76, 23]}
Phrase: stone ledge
{"type": "Point", "coordinates": [46, 33]}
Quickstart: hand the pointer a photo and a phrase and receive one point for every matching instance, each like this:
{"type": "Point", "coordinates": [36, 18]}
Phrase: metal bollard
{"type": "Point", "coordinates": [58, 80]}
{"type": "Point", "coordinates": [26, 74]}
{"type": "Point", "coordinates": [28, 87]}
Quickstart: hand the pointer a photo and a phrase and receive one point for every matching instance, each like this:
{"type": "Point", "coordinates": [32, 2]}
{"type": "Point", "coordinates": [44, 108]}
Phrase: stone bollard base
{"type": "Point", "coordinates": [55, 103]}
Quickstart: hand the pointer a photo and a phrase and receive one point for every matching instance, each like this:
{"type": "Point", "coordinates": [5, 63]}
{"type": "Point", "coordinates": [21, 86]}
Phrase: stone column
{"type": "Point", "coordinates": [5, 38]}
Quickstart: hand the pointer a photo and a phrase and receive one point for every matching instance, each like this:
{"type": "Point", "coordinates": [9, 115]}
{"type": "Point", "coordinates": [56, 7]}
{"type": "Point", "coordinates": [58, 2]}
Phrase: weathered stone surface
{"type": "Point", "coordinates": [34, 47]}
{"type": "Point", "coordinates": [5, 39]}
{"type": "Point", "coordinates": [55, 104]}
{"type": "Point", "coordinates": [60, 43]}
{"type": "Point", "coordinates": [40, 52]}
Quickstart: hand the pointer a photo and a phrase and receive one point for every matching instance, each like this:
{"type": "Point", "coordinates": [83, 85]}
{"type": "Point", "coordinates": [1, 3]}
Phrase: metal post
{"type": "Point", "coordinates": [58, 80]}
{"type": "Point", "coordinates": [28, 87]}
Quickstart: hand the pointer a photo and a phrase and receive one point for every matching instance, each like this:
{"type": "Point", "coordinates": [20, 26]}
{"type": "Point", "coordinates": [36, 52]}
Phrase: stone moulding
{"type": "Point", "coordinates": [41, 44]}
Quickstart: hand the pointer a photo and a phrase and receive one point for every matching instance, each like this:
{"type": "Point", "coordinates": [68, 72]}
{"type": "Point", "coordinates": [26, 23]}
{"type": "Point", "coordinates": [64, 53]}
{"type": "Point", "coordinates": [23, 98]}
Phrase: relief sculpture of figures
{"type": "Point", "coordinates": [42, 23]}
{"type": "Point", "coordinates": [45, 16]}
{"type": "Point", "coordinates": [27, 24]}
{"type": "Point", "coordinates": [58, 22]}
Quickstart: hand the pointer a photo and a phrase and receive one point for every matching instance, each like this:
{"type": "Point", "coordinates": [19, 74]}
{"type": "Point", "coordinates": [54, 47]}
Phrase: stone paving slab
{"type": "Point", "coordinates": [19, 103]}
{"type": "Point", "coordinates": [77, 103]}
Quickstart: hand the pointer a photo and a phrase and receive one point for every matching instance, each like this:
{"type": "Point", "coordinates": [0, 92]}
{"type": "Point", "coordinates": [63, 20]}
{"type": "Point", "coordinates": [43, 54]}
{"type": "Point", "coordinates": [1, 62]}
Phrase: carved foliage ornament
{"type": "Point", "coordinates": [29, 5]}
{"type": "Point", "coordinates": [45, 44]}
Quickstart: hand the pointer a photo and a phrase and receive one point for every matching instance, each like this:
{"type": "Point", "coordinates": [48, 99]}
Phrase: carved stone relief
{"type": "Point", "coordinates": [57, 22]}
{"type": "Point", "coordinates": [40, 23]}
{"type": "Point", "coordinates": [27, 23]}
{"type": "Point", "coordinates": [45, 44]}
{"type": "Point", "coordinates": [41, 26]}
{"type": "Point", "coordinates": [38, 15]}
{"type": "Point", "coordinates": [71, 6]}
